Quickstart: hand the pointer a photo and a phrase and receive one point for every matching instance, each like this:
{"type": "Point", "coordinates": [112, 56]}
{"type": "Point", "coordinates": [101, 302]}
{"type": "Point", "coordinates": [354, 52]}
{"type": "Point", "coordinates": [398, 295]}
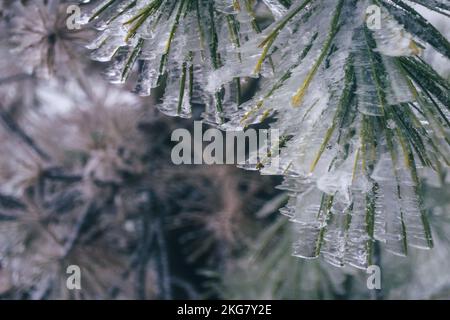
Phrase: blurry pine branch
{"type": "Point", "coordinates": [86, 179]}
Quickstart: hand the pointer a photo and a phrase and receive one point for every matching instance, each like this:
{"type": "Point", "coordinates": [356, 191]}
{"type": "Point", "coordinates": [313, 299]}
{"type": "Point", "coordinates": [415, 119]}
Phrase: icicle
{"type": "Point", "coordinates": [392, 39]}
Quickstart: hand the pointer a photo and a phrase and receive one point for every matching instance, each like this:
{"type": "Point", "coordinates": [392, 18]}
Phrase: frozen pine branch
{"type": "Point", "coordinates": [365, 117]}
{"type": "Point", "coordinates": [176, 44]}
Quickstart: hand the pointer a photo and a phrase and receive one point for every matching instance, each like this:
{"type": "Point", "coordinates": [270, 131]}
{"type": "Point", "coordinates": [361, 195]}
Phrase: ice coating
{"type": "Point", "coordinates": [350, 183]}
{"type": "Point", "coordinates": [176, 44]}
